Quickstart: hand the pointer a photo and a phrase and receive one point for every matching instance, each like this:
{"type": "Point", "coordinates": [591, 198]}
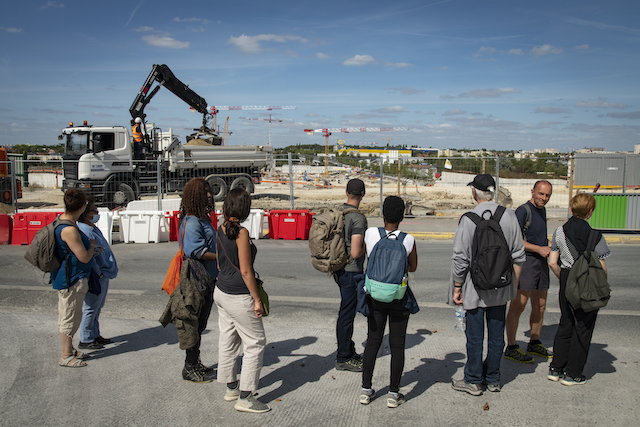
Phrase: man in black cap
{"type": "Point", "coordinates": [480, 304]}
{"type": "Point", "coordinates": [355, 225]}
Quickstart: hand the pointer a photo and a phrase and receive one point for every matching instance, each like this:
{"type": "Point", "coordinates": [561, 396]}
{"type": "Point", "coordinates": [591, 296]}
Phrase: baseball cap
{"type": "Point", "coordinates": [356, 187]}
{"type": "Point", "coordinates": [483, 182]}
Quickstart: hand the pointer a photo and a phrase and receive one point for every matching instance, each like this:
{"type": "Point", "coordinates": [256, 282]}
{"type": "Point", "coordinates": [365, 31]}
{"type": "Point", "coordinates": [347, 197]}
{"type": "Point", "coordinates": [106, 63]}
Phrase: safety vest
{"type": "Point", "coordinates": [137, 135]}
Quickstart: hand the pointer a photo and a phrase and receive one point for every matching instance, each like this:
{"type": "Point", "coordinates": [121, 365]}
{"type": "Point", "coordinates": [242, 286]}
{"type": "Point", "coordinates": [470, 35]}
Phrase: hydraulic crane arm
{"type": "Point", "coordinates": [163, 75]}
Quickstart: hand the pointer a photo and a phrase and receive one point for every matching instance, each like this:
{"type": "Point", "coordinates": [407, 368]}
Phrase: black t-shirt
{"type": "Point", "coordinates": [230, 280]}
{"type": "Point", "coordinates": [537, 231]}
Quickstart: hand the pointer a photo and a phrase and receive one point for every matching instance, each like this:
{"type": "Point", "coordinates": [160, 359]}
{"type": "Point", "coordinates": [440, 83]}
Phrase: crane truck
{"type": "Point", "coordinates": [99, 159]}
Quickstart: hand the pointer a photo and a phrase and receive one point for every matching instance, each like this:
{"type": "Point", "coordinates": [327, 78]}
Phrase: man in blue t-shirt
{"type": "Point", "coordinates": [534, 280]}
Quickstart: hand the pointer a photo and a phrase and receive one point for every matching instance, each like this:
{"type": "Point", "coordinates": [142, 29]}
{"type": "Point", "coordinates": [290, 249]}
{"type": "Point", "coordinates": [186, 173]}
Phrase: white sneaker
{"type": "Point", "coordinates": [251, 404]}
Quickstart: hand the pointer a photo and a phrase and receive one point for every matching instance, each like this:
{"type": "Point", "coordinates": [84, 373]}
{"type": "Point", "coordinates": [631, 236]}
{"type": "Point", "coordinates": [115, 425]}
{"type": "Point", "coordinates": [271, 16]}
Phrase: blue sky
{"type": "Point", "coordinates": [457, 73]}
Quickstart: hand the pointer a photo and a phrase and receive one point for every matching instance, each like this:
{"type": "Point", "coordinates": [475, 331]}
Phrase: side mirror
{"type": "Point", "coordinates": [97, 146]}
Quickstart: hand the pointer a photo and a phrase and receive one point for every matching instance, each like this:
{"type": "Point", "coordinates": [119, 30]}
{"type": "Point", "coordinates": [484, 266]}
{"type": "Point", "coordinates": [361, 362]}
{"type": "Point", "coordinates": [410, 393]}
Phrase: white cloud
{"type": "Point", "coordinates": [165, 41]}
{"type": "Point", "coordinates": [143, 29]}
{"type": "Point", "coordinates": [359, 60]}
{"type": "Point", "coordinates": [484, 50]}
{"type": "Point", "coordinates": [51, 4]}
{"type": "Point", "coordinates": [631, 115]}
{"type": "Point", "coordinates": [204, 21]}
{"type": "Point", "coordinates": [515, 52]}
{"type": "Point", "coordinates": [546, 49]}
{"type": "Point", "coordinates": [552, 110]}
{"type": "Point", "coordinates": [321, 55]}
{"type": "Point", "coordinates": [443, 68]}
{"type": "Point", "coordinates": [487, 93]}
{"type": "Point", "coordinates": [600, 103]}
{"type": "Point", "coordinates": [398, 64]}
{"type": "Point", "coordinates": [404, 90]}
{"type": "Point", "coordinates": [454, 112]}
{"type": "Point", "coordinates": [394, 109]}
{"type": "Point", "coordinates": [251, 44]}
{"type": "Point", "coordinates": [582, 47]}
{"type": "Point", "coordinates": [11, 29]}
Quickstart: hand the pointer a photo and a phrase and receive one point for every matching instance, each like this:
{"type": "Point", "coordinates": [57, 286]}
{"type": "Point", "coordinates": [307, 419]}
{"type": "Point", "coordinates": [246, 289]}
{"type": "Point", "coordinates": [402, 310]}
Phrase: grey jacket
{"type": "Point", "coordinates": [461, 260]}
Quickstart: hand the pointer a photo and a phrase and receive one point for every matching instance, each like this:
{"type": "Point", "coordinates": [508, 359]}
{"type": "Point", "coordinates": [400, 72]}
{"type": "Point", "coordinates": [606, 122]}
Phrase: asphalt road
{"type": "Point", "coordinates": [136, 381]}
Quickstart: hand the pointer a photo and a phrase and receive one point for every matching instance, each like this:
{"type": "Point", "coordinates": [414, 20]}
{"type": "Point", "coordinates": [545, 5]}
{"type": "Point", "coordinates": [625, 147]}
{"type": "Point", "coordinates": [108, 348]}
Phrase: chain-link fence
{"type": "Point", "coordinates": [430, 185]}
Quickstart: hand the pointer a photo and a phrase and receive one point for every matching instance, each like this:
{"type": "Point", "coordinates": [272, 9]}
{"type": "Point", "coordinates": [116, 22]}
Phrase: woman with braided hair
{"type": "Point", "coordinates": [239, 307]}
{"type": "Point", "coordinates": [198, 238]}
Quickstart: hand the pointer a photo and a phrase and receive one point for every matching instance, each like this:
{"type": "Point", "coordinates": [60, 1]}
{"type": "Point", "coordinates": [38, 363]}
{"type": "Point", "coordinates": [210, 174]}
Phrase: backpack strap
{"type": "Point", "coordinates": [498, 213]}
{"type": "Point", "coordinates": [384, 235]}
{"type": "Point", "coordinates": [473, 217]}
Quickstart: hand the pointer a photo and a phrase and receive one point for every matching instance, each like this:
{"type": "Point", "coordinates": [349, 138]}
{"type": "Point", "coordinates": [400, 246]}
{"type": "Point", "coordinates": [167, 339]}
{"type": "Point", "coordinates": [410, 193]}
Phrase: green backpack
{"type": "Point", "coordinates": [587, 286]}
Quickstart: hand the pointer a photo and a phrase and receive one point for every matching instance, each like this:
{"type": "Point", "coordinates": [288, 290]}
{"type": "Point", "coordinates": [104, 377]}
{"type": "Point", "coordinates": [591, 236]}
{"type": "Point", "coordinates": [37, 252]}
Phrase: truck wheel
{"type": "Point", "coordinates": [122, 195]}
{"type": "Point", "coordinates": [243, 182]}
{"type": "Point", "coordinates": [219, 188]}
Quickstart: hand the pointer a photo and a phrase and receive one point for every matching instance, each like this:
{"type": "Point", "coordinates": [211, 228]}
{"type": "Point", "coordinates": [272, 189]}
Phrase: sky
{"type": "Point", "coordinates": [499, 74]}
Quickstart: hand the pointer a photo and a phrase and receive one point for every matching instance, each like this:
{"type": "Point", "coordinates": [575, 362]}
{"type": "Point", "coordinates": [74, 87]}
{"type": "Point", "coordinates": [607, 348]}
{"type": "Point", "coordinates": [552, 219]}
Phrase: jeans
{"type": "Point", "coordinates": [398, 319]}
{"type": "Point", "coordinates": [475, 369]}
{"type": "Point", "coordinates": [348, 301]}
{"type": "Point", "coordinates": [90, 327]}
{"type": "Point", "coordinates": [573, 337]}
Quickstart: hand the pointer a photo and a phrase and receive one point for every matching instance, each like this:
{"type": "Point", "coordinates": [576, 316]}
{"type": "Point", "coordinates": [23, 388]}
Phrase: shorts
{"type": "Point", "coordinates": [70, 307]}
{"type": "Point", "coordinates": [535, 274]}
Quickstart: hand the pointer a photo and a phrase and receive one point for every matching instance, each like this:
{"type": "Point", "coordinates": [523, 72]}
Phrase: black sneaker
{"type": "Point", "coordinates": [352, 365]}
{"type": "Point", "coordinates": [204, 368]}
{"type": "Point", "coordinates": [193, 374]}
{"type": "Point", "coordinates": [93, 345]}
{"type": "Point", "coordinates": [517, 355]}
{"type": "Point", "coordinates": [555, 374]}
{"type": "Point", "coordinates": [567, 380]}
{"type": "Point", "coordinates": [103, 341]}
{"type": "Point", "coordinates": [538, 350]}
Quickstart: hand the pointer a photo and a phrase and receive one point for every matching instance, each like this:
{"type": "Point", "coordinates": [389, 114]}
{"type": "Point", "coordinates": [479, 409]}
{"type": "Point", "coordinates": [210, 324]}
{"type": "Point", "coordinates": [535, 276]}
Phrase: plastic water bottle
{"type": "Point", "coordinates": [461, 320]}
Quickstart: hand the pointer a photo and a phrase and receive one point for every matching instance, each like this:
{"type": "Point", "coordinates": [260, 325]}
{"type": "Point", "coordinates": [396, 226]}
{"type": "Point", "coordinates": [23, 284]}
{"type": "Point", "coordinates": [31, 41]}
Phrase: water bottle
{"type": "Point", "coordinates": [461, 320]}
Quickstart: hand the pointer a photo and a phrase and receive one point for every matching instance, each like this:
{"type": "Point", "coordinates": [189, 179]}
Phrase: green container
{"type": "Point", "coordinates": [610, 212]}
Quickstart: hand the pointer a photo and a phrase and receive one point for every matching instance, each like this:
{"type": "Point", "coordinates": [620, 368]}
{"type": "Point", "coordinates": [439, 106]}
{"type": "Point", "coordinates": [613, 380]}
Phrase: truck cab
{"type": "Point", "coordinates": [99, 160]}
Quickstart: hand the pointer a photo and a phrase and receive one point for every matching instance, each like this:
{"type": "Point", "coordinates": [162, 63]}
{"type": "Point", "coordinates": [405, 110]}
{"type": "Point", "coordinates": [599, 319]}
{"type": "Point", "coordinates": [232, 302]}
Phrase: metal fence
{"type": "Point", "coordinates": [430, 185]}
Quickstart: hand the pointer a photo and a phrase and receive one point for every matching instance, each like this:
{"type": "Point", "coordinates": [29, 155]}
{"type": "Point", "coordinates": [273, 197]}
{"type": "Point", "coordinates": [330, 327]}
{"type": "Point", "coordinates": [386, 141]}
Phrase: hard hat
{"type": "Point", "coordinates": [138, 120]}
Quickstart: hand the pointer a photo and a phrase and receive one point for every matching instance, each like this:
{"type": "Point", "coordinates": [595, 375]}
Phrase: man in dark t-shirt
{"type": "Point", "coordinates": [355, 225]}
{"type": "Point", "coordinates": [534, 280]}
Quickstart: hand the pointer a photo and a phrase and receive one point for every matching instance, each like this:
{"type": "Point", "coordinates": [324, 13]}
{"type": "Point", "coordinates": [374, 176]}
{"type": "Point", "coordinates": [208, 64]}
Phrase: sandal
{"type": "Point", "coordinates": [80, 355]}
{"type": "Point", "coordinates": [72, 362]}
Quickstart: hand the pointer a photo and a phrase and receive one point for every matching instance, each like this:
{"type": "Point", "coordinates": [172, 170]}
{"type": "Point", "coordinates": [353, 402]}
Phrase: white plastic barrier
{"type": "Point", "coordinates": [144, 227]}
{"type": "Point", "coordinates": [253, 223]}
{"type": "Point", "coordinates": [105, 223]}
{"type": "Point", "coordinates": [152, 205]}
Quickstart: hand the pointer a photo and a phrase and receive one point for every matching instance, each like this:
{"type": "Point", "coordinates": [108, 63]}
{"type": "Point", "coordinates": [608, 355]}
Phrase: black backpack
{"type": "Point", "coordinates": [587, 285]}
{"type": "Point", "coordinates": [491, 261]}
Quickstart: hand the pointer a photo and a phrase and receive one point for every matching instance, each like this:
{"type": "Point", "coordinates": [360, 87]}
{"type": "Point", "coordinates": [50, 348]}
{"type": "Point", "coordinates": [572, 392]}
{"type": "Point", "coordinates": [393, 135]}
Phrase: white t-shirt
{"type": "Point", "coordinates": [372, 236]}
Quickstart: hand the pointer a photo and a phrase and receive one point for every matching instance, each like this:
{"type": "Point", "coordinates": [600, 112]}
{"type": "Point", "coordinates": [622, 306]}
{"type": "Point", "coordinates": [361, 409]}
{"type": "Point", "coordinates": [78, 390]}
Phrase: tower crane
{"type": "Point", "coordinates": [270, 119]}
{"type": "Point", "coordinates": [226, 132]}
{"type": "Point", "coordinates": [214, 109]}
{"type": "Point", "coordinates": [327, 132]}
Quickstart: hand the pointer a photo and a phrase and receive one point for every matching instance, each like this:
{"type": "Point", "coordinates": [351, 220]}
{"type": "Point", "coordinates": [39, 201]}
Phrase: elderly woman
{"type": "Point", "coordinates": [105, 268]}
{"type": "Point", "coordinates": [71, 280]}
{"type": "Point", "coordinates": [239, 307]}
{"type": "Point", "coordinates": [573, 338]}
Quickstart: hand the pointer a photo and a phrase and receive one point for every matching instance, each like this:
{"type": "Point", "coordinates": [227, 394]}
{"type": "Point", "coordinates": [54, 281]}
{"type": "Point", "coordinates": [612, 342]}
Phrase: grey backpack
{"type": "Point", "coordinates": [327, 241]}
{"type": "Point", "coordinates": [42, 251]}
{"type": "Point", "coordinates": [587, 286]}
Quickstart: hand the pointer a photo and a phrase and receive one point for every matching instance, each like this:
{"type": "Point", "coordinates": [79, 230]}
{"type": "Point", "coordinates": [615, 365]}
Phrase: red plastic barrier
{"type": "Point", "coordinates": [5, 229]}
{"type": "Point", "coordinates": [289, 224]}
{"type": "Point", "coordinates": [174, 228]}
{"type": "Point", "coordinates": [19, 231]}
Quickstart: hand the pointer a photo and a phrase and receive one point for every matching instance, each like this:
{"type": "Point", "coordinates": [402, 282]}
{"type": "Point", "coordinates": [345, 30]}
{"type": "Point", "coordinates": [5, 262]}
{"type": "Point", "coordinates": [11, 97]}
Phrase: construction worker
{"type": "Point", "coordinates": [138, 139]}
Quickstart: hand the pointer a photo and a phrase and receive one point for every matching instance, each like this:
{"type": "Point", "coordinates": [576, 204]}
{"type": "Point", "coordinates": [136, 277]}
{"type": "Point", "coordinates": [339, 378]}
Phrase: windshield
{"type": "Point", "coordinates": [77, 143]}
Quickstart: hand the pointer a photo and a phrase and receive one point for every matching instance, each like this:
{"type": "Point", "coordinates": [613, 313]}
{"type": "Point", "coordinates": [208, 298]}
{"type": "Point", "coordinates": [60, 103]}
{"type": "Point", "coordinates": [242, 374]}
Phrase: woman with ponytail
{"type": "Point", "coordinates": [239, 307]}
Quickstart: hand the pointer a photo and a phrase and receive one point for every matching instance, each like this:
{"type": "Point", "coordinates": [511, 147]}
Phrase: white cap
{"type": "Point", "coordinates": [138, 120]}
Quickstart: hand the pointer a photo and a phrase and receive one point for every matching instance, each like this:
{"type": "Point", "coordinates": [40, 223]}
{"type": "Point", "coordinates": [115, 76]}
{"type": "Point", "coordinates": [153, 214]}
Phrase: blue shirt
{"type": "Point", "coordinates": [199, 237]}
{"type": "Point", "coordinates": [77, 270]}
{"type": "Point", "coordinates": [105, 263]}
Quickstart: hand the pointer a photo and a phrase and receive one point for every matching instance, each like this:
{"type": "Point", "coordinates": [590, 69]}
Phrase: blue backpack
{"type": "Point", "coordinates": [386, 275]}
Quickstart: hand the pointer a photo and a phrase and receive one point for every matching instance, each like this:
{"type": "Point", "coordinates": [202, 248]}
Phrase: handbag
{"type": "Point", "coordinates": [172, 278]}
{"type": "Point", "coordinates": [264, 297]}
